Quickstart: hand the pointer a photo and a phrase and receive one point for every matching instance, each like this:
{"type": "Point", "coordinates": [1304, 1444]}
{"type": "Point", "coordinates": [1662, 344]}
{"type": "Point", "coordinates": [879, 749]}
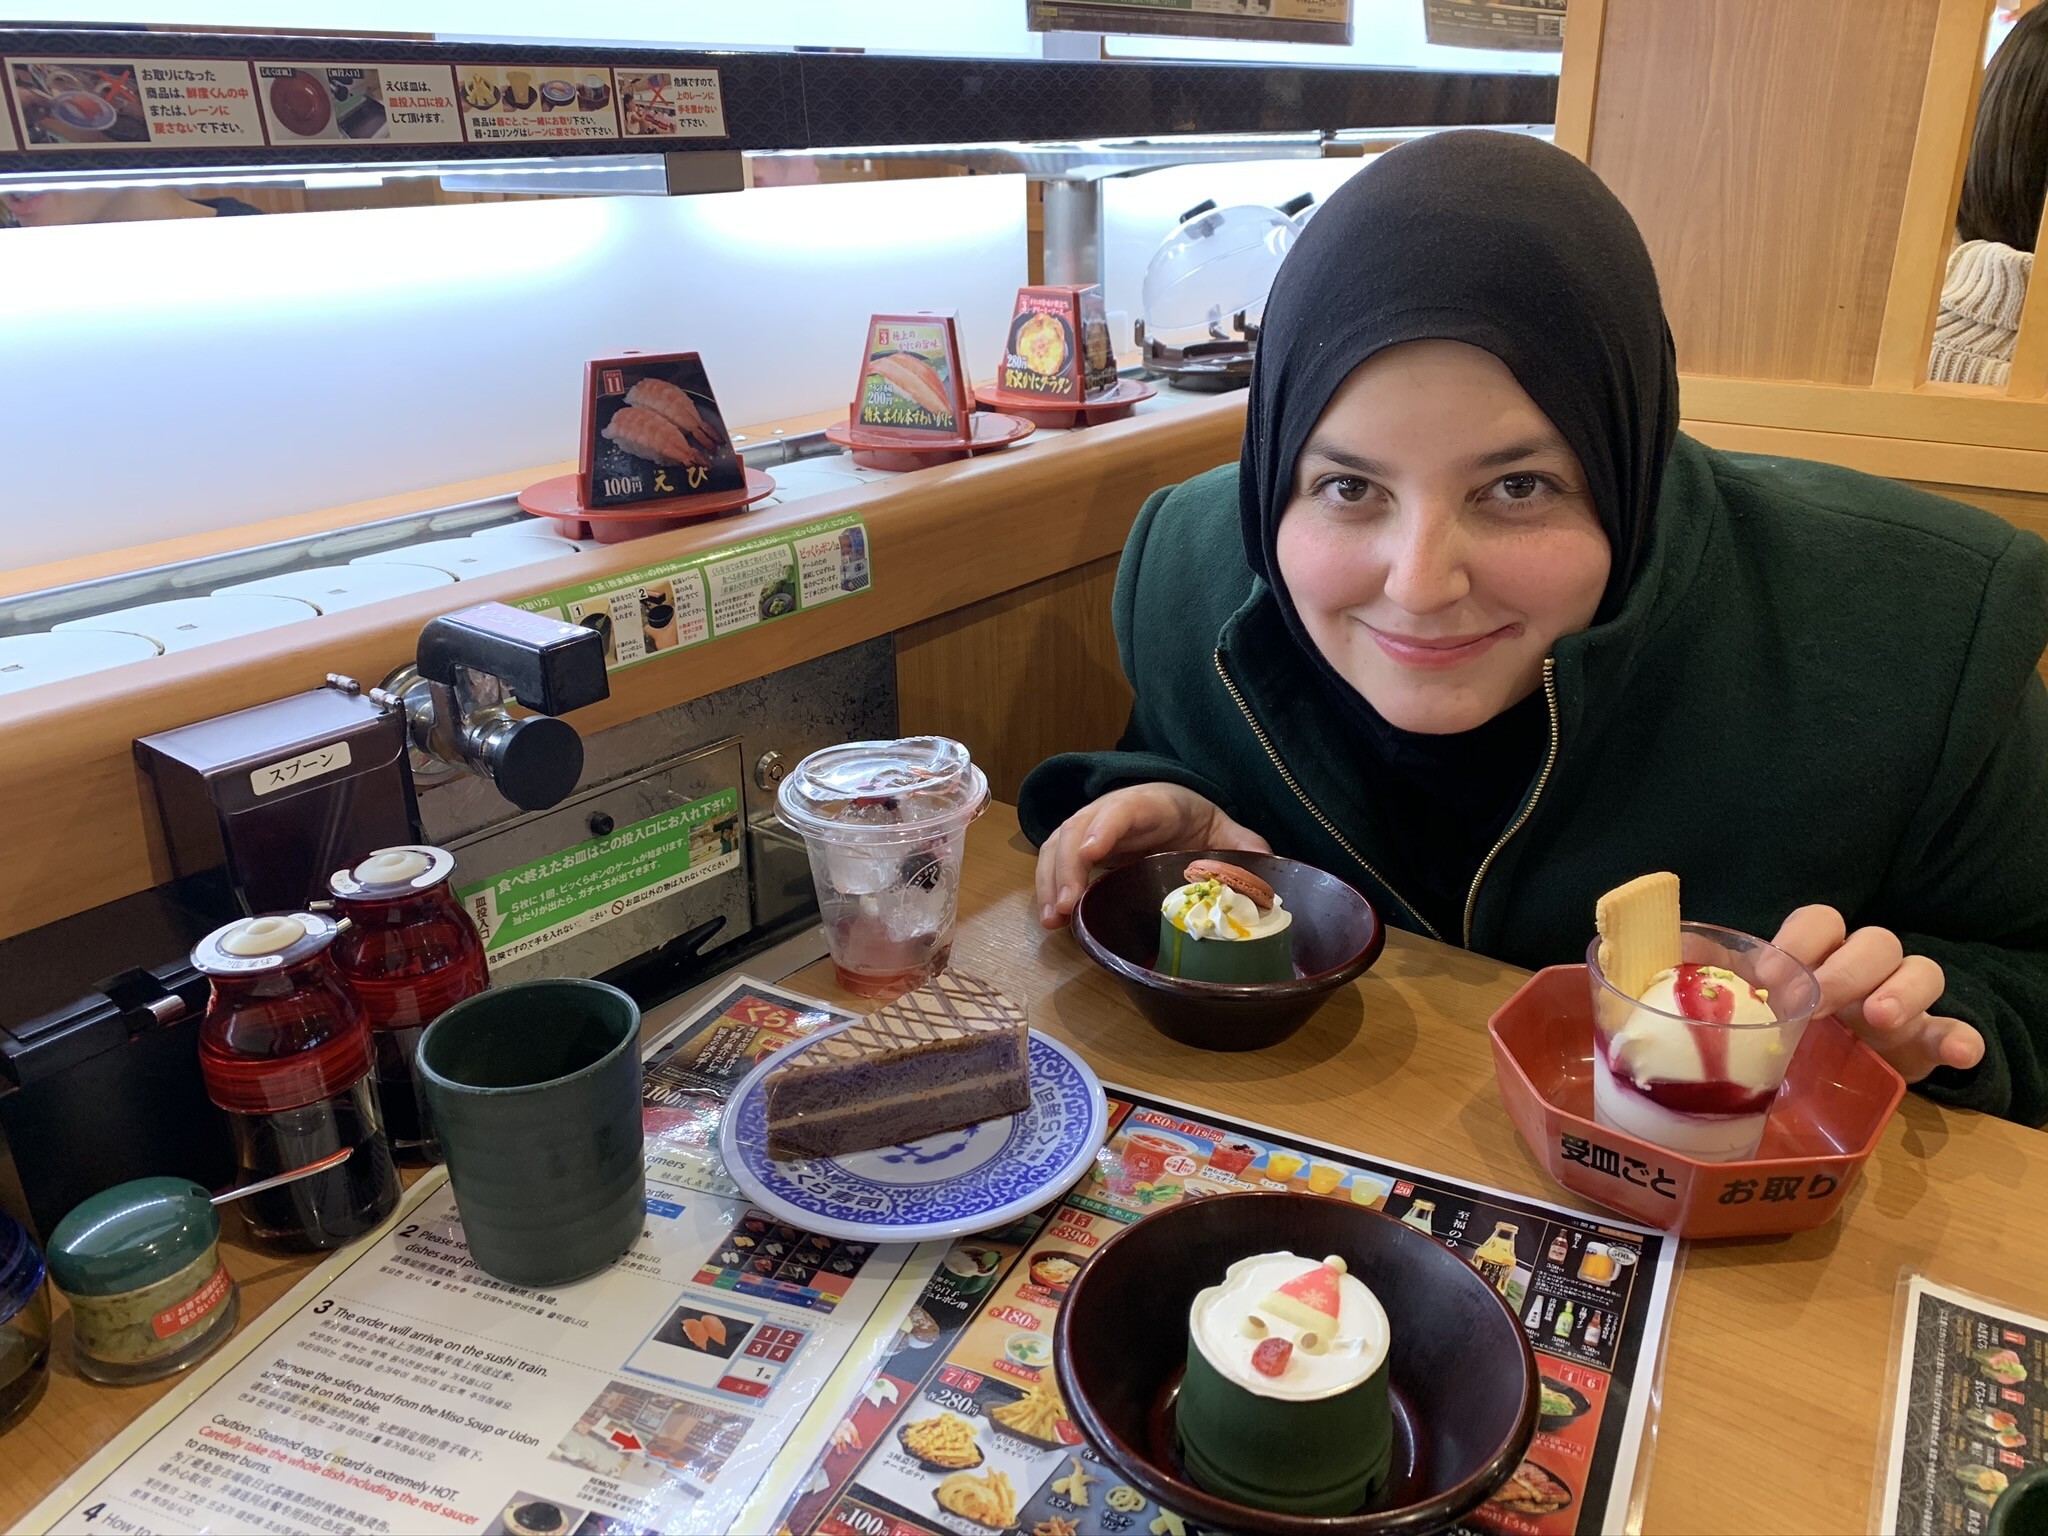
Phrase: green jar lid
{"type": "Point", "coordinates": [132, 1235]}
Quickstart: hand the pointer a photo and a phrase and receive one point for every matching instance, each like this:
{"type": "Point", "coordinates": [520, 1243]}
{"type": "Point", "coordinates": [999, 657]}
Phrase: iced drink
{"type": "Point", "coordinates": [885, 823]}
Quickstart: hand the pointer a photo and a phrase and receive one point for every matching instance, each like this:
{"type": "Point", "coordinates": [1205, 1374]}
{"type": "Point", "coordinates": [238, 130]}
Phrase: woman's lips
{"type": "Point", "coordinates": [1434, 653]}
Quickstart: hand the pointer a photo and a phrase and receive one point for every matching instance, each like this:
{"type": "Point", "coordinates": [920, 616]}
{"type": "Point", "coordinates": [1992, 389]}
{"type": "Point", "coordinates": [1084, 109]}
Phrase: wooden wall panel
{"type": "Point", "coordinates": [1764, 150]}
{"type": "Point", "coordinates": [1019, 677]}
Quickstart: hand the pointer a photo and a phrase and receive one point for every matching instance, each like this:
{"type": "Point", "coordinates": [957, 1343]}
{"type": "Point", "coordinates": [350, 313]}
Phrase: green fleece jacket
{"type": "Point", "coordinates": [1822, 688]}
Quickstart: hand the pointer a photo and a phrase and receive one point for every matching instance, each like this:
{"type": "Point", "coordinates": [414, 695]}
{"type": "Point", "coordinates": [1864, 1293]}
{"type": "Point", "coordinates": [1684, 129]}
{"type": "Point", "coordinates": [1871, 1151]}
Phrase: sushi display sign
{"type": "Point", "coordinates": [325, 103]}
{"type": "Point", "coordinates": [962, 1430]}
{"type": "Point", "coordinates": [1059, 345]}
{"type": "Point", "coordinates": [677, 604]}
{"type": "Point", "coordinates": [173, 104]}
{"type": "Point", "coordinates": [912, 390]}
{"type": "Point", "coordinates": [1969, 1416]}
{"type": "Point", "coordinates": [508, 104]}
{"type": "Point", "coordinates": [1280, 21]}
{"type": "Point", "coordinates": [202, 106]}
{"type": "Point", "coordinates": [652, 431]}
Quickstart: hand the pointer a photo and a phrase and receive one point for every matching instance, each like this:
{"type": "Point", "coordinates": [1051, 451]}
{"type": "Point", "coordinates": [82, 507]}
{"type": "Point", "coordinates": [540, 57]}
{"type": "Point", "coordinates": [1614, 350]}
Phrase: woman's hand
{"type": "Point", "coordinates": [1144, 818]}
{"type": "Point", "coordinates": [1871, 984]}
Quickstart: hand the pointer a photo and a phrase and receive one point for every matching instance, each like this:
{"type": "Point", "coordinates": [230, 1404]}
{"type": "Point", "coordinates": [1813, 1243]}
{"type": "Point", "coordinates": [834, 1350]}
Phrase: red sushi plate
{"type": "Point", "coordinates": [990, 430]}
{"type": "Point", "coordinates": [560, 500]}
{"type": "Point", "coordinates": [1114, 405]}
{"type": "Point", "coordinates": [1838, 1094]}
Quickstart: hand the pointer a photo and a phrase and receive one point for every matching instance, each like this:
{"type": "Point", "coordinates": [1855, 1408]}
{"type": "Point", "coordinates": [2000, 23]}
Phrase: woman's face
{"type": "Point", "coordinates": [1440, 537]}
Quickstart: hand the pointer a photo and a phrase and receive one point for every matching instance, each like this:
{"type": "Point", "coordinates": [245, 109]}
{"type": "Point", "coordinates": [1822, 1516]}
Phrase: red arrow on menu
{"type": "Point", "coordinates": [625, 1440]}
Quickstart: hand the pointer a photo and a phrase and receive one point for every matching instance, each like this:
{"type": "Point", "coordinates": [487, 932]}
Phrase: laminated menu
{"type": "Point", "coordinates": [962, 1431]}
{"type": "Point", "coordinates": [1969, 1411]}
{"type": "Point", "coordinates": [400, 1389]}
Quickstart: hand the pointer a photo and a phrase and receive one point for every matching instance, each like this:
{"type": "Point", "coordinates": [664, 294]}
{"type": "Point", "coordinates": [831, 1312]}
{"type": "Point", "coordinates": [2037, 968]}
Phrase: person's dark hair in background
{"type": "Point", "coordinates": [2007, 174]}
{"type": "Point", "coordinates": [1984, 289]}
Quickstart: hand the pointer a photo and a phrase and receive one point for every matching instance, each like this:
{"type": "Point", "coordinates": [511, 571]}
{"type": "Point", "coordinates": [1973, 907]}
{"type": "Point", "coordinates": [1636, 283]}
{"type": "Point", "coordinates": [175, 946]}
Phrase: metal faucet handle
{"type": "Point", "coordinates": [546, 665]}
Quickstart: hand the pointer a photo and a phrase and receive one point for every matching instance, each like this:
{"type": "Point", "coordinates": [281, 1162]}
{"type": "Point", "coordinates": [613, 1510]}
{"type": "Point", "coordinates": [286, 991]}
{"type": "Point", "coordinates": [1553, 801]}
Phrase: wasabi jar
{"type": "Point", "coordinates": [141, 1266]}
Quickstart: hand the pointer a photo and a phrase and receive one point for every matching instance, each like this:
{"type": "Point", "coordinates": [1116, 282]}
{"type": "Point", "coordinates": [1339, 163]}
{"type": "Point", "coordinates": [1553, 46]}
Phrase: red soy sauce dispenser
{"type": "Point", "coordinates": [409, 952]}
{"type": "Point", "coordinates": [285, 1051]}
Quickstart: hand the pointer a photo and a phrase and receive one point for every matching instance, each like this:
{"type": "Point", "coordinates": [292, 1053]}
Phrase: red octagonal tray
{"type": "Point", "coordinates": [1838, 1094]}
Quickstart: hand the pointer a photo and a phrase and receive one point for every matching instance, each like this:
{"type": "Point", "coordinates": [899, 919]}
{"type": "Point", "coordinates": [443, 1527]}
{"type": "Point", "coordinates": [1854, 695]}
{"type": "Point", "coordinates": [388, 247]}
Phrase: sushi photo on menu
{"type": "Point", "coordinates": [653, 432]}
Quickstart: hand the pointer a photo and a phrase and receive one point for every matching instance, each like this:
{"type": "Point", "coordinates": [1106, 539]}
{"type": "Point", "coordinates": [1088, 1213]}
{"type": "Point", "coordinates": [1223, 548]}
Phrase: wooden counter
{"type": "Point", "coordinates": [75, 814]}
{"type": "Point", "coordinates": [1775, 1366]}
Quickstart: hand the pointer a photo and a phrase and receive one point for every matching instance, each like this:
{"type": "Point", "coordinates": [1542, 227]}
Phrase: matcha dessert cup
{"type": "Point", "coordinates": [1284, 1404]}
{"type": "Point", "coordinates": [1461, 1382]}
{"type": "Point", "coordinates": [1226, 925]}
{"type": "Point", "coordinates": [1337, 935]}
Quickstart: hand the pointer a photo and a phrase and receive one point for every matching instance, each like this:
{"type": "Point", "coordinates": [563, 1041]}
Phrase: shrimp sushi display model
{"type": "Point", "coordinates": [655, 452]}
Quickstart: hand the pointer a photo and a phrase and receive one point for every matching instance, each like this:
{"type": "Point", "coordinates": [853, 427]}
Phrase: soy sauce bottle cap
{"type": "Point", "coordinates": [266, 943]}
{"type": "Point", "coordinates": [405, 870]}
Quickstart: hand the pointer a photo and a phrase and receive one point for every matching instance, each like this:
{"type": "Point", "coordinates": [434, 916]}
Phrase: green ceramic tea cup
{"type": "Point", "coordinates": [2022, 1510]}
{"type": "Point", "coordinates": [535, 1088]}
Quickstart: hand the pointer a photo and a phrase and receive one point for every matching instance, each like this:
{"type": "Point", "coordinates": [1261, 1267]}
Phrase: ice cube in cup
{"type": "Point", "coordinates": [885, 823]}
{"type": "Point", "coordinates": [1704, 1089]}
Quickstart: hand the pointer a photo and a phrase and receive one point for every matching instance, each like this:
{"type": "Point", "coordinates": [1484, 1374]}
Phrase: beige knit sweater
{"type": "Point", "coordinates": [1980, 313]}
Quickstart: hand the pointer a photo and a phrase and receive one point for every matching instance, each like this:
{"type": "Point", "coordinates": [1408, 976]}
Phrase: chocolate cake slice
{"type": "Point", "coordinates": [953, 1052]}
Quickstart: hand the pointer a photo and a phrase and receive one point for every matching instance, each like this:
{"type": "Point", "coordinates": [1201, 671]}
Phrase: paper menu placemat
{"type": "Point", "coordinates": [1968, 1411]}
{"type": "Point", "coordinates": [1594, 1296]}
{"type": "Point", "coordinates": [397, 1388]}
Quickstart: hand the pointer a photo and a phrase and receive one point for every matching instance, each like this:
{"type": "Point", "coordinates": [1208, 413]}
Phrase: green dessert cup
{"type": "Point", "coordinates": [1244, 961]}
{"type": "Point", "coordinates": [1328, 1456]}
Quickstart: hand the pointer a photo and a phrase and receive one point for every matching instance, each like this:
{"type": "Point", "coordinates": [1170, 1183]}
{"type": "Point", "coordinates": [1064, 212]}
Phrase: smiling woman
{"type": "Point", "coordinates": [1435, 579]}
{"type": "Point", "coordinates": [1471, 625]}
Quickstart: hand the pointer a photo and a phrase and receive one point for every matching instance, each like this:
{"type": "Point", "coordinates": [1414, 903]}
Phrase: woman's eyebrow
{"type": "Point", "coordinates": [1318, 449]}
{"type": "Point", "coordinates": [1514, 453]}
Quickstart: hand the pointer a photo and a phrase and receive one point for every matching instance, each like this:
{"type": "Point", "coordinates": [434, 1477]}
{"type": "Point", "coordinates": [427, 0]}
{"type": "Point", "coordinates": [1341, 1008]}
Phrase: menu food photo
{"type": "Point", "coordinates": [963, 1431]}
{"type": "Point", "coordinates": [1969, 1411]}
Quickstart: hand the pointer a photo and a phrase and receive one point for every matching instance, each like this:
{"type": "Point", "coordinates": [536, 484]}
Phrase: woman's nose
{"type": "Point", "coordinates": [1426, 566]}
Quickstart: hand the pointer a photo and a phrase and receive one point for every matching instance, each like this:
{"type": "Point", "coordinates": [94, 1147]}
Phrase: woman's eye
{"type": "Point", "coordinates": [1348, 488]}
{"type": "Point", "coordinates": [1521, 487]}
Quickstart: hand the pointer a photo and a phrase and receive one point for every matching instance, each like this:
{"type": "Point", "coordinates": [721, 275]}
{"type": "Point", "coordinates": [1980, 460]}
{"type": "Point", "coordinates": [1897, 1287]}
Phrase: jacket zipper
{"type": "Point", "coordinates": [1330, 827]}
{"type": "Point", "coordinates": [1543, 778]}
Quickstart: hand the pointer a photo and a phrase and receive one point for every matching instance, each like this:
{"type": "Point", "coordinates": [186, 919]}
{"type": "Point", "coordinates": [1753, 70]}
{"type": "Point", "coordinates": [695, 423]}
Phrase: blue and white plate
{"type": "Point", "coordinates": [963, 1181]}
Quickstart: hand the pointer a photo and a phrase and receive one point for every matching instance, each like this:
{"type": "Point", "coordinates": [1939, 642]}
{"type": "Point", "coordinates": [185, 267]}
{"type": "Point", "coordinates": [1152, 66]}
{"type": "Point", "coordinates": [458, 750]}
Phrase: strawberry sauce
{"type": "Point", "coordinates": [1711, 1001]}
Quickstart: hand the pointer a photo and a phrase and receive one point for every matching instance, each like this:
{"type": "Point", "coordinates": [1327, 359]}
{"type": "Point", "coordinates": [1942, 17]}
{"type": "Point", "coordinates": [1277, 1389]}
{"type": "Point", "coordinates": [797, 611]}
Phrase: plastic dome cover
{"type": "Point", "coordinates": [1215, 265]}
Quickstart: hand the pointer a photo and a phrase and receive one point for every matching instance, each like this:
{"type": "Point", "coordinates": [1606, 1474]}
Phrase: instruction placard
{"type": "Point", "coordinates": [400, 1389]}
{"type": "Point", "coordinates": [680, 603]}
{"type": "Point", "coordinates": [522, 911]}
{"type": "Point", "coordinates": [189, 104]}
{"type": "Point", "coordinates": [329, 103]}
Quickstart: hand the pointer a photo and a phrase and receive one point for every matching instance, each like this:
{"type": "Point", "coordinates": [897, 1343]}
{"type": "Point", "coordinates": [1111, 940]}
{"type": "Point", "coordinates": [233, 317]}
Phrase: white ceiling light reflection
{"type": "Point", "coordinates": [307, 258]}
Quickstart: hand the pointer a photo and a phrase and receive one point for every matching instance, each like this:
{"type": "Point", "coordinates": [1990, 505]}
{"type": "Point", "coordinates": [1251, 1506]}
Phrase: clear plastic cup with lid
{"type": "Point", "coordinates": [886, 825]}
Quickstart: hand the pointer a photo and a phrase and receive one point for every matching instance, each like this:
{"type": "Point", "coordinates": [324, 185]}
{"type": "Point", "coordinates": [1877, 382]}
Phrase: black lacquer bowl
{"type": "Point", "coordinates": [1462, 1380]}
{"type": "Point", "coordinates": [1337, 937]}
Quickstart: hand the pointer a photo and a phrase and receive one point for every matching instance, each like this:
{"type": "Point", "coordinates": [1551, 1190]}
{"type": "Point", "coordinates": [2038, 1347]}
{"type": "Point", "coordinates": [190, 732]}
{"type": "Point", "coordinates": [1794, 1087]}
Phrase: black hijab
{"type": "Point", "coordinates": [1509, 244]}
